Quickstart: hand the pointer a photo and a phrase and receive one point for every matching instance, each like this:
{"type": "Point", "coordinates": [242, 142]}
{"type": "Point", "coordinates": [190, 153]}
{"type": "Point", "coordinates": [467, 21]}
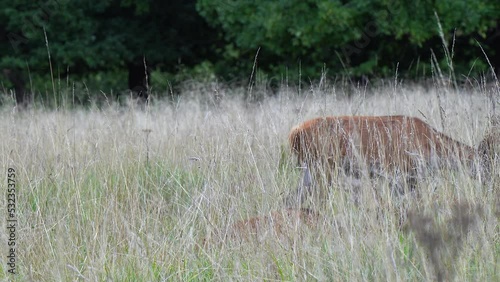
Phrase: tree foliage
{"type": "Point", "coordinates": [362, 37]}
{"type": "Point", "coordinates": [354, 38]}
{"type": "Point", "coordinates": [85, 37]}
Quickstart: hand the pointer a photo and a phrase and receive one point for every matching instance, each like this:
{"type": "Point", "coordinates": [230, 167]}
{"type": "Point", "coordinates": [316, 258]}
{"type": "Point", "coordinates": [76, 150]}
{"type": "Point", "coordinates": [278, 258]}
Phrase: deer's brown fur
{"type": "Point", "coordinates": [377, 143]}
{"type": "Point", "coordinates": [281, 225]}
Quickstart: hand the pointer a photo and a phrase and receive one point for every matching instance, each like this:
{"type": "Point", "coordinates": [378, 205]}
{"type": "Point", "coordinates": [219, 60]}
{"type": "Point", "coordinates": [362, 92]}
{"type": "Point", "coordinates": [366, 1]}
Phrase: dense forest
{"type": "Point", "coordinates": [115, 47]}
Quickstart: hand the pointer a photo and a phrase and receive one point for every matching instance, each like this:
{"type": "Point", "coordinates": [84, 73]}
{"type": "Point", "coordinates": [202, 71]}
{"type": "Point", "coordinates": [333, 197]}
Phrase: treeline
{"type": "Point", "coordinates": [141, 45]}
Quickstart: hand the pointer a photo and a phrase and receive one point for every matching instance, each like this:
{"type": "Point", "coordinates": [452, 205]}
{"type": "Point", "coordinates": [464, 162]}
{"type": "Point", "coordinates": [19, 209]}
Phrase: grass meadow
{"type": "Point", "coordinates": [135, 193]}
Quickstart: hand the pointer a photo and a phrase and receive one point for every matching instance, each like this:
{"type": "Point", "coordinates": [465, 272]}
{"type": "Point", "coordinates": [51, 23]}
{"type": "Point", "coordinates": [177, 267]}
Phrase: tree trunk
{"type": "Point", "coordinates": [16, 79]}
{"type": "Point", "coordinates": [493, 41]}
{"type": "Point", "coordinates": [138, 78]}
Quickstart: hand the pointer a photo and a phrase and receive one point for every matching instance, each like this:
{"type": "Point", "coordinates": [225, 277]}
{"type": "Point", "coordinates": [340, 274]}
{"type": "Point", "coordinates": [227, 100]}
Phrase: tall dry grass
{"type": "Point", "coordinates": [128, 194]}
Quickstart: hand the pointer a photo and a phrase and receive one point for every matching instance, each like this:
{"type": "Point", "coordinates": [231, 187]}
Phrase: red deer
{"type": "Point", "coordinates": [281, 225]}
{"type": "Point", "coordinates": [377, 145]}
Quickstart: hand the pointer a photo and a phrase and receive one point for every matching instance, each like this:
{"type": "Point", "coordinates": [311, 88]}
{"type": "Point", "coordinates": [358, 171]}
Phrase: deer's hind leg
{"type": "Point", "coordinates": [303, 190]}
